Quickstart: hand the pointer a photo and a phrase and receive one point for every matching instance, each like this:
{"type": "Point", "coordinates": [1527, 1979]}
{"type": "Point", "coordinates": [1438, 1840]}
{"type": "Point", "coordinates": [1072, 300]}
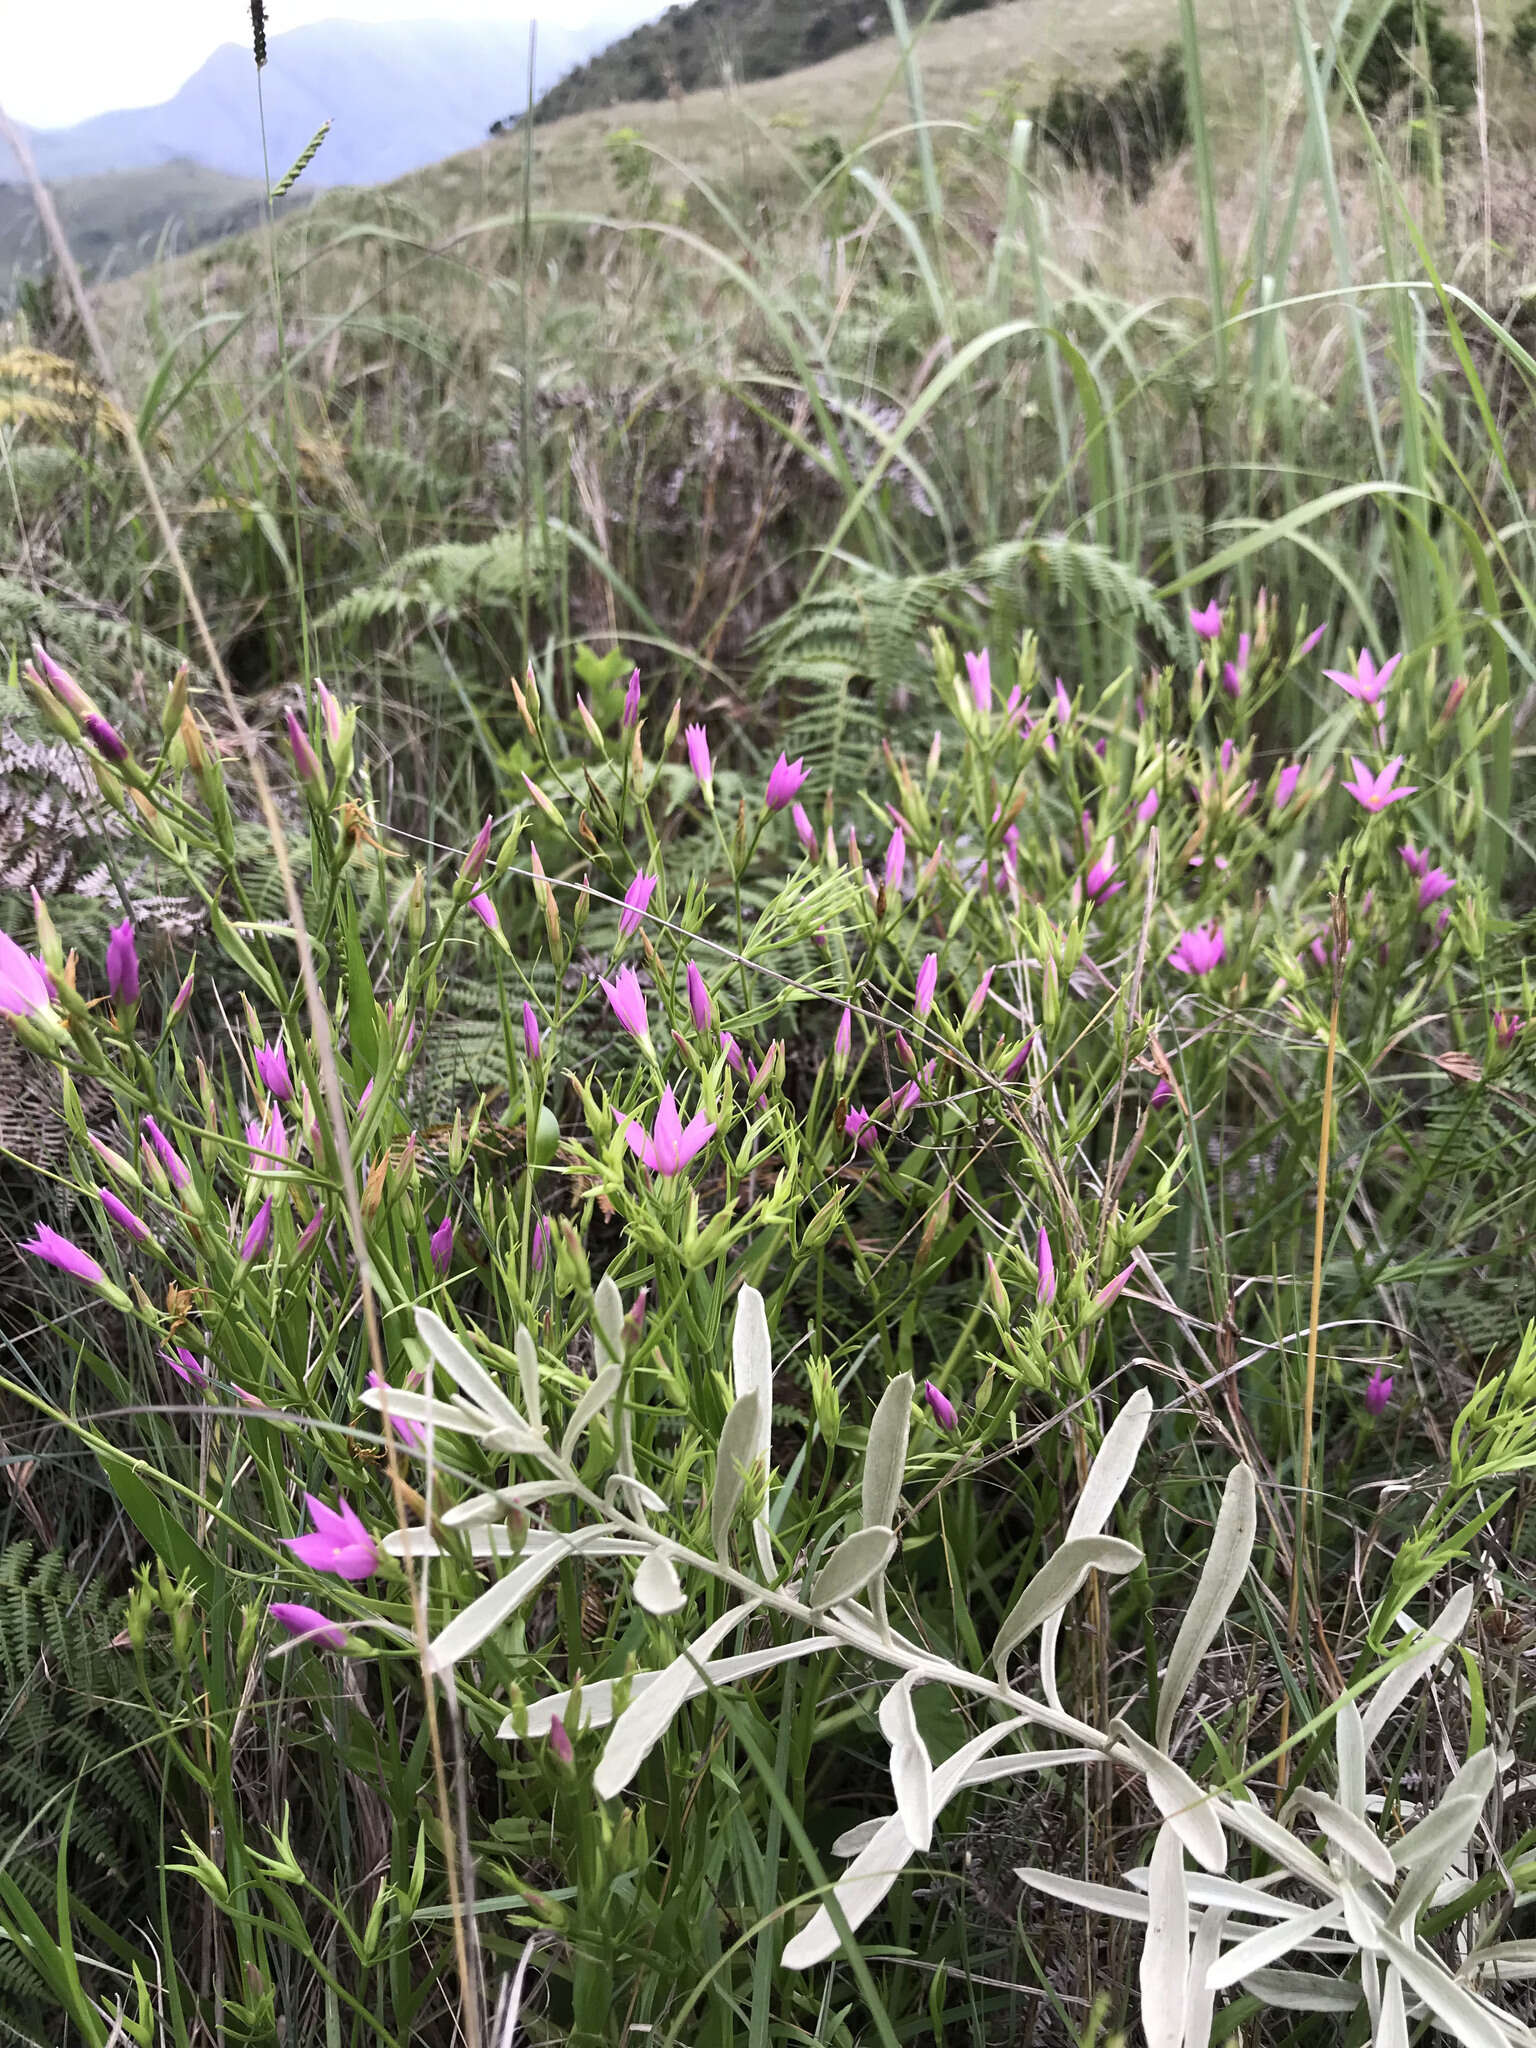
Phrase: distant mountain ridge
{"type": "Point", "coordinates": [399, 95]}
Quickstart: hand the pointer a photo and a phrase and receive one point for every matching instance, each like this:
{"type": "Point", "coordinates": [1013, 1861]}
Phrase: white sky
{"type": "Point", "coordinates": [61, 60]}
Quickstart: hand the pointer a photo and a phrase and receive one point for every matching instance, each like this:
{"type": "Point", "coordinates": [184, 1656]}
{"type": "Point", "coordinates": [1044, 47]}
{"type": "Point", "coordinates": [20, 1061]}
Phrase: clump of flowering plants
{"type": "Point", "coordinates": [732, 1366]}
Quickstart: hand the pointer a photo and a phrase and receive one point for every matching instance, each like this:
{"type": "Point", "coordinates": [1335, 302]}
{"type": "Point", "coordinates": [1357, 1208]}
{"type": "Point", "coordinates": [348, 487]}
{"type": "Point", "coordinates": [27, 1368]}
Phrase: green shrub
{"type": "Point", "coordinates": [1124, 130]}
{"type": "Point", "coordinates": [1413, 37]}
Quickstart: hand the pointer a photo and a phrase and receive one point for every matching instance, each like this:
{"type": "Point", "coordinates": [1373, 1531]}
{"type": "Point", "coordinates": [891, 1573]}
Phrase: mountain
{"type": "Point", "coordinates": [399, 95]}
{"type": "Point", "coordinates": [119, 223]}
{"type": "Point", "coordinates": [712, 41]}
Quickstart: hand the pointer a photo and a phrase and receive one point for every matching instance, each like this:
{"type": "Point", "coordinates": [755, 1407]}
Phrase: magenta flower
{"type": "Point", "coordinates": [632, 701]}
{"type": "Point", "coordinates": [440, 1246]}
{"type": "Point", "coordinates": [977, 1003]}
{"type": "Point", "coordinates": [1100, 882]}
{"type": "Point", "coordinates": [1110, 1291]}
{"type": "Point", "coordinates": [858, 1125]}
{"type": "Point", "coordinates": [63, 683]}
{"type": "Point", "coordinates": [1285, 784]}
{"type": "Point", "coordinates": [842, 1043]}
{"type": "Point", "coordinates": [1200, 950]}
{"type": "Point", "coordinates": [24, 989]}
{"type": "Point", "coordinates": [978, 669]}
{"type": "Point", "coordinates": [308, 1624]}
{"type": "Point", "coordinates": [1233, 673]}
{"type": "Point", "coordinates": [1207, 624]}
{"type": "Point", "coordinates": [732, 1051]}
{"type": "Point", "coordinates": [254, 1243]}
{"type": "Point", "coordinates": [1063, 705]}
{"type": "Point", "coordinates": [1375, 792]}
{"type": "Point", "coordinates": [1366, 681]}
{"type": "Point", "coordinates": [698, 1001]}
{"type": "Point", "coordinates": [637, 901]}
{"type": "Point", "coordinates": [474, 860]}
{"type": "Point", "coordinates": [786, 779]}
{"type": "Point", "coordinates": [1146, 810]}
{"type": "Point", "coordinates": [176, 1169]}
{"type": "Point", "coordinates": [1045, 1288]}
{"type": "Point", "coordinates": [411, 1434]}
{"type": "Point", "coordinates": [927, 982]}
{"type": "Point", "coordinates": [1162, 1093]}
{"type": "Point", "coordinates": [1378, 1392]}
{"type": "Point", "coordinates": [272, 1066]}
{"type": "Point", "coordinates": [560, 1745]}
{"type": "Point", "coordinates": [109, 741]}
{"type": "Point", "coordinates": [531, 1039]}
{"type": "Point", "coordinates": [53, 1250]}
{"type": "Point", "coordinates": [670, 1146]}
{"type": "Point", "coordinates": [485, 910]}
{"type": "Point", "coordinates": [1435, 884]}
{"type": "Point", "coordinates": [1415, 862]}
{"type": "Point", "coordinates": [122, 963]}
{"type": "Point", "coordinates": [1018, 1062]}
{"type": "Point", "coordinates": [305, 759]}
{"type": "Point", "coordinates": [895, 862]}
{"type": "Point", "coordinates": [698, 758]}
{"type": "Point", "coordinates": [1507, 1026]}
{"type": "Point", "coordinates": [268, 1140]}
{"type": "Point", "coordinates": [330, 712]}
{"type": "Point", "coordinates": [539, 1251]}
{"type": "Point", "coordinates": [123, 1217]}
{"type": "Point", "coordinates": [338, 1543]}
{"type": "Point", "coordinates": [186, 1365]}
{"type": "Point", "coordinates": [1311, 641]}
{"type": "Point", "coordinates": [805, 831]}
{"type": "Point", "coordinates": [626, 999]}
{"type": "Point", "coordinates": [940, 1407]}
{"type": "Point", "coordinates": [309, 1233]}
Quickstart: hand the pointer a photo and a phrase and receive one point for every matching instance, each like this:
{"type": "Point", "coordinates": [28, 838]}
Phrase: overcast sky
{"type": "Point", "coordinates": [61, 60]}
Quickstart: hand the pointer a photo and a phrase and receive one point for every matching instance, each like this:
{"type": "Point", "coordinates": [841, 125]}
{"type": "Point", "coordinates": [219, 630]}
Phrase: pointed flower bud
{"type": "Point", "coordinates": [122, 963]}
{"type": "Point", "coordinates": [305, 760]}
{"type": "Point", "coordinates": [440, 1246]}
{"type": "Point", "coordinates": [474, 860]}
{"type": "Point", "coordinates": [632, 701]}
{"type": "Point", "coordinates": [1045, 1290]}
{"type": "Point", "coordinates": [699, 1003]}
{"type": "Point", "coordinates": [785, 781]}
{"type": "Point", "coordinates": [531, 1038]}
{"type": "Point", "coordinates": [940, 1407]}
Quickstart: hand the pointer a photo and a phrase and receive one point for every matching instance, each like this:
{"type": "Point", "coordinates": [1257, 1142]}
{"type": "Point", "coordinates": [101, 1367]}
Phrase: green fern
{"type": "Point", "coordinates": [447, 583]}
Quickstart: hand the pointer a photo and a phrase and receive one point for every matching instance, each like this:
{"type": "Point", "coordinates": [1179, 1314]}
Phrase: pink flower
{"type": "Point", "coordinates": [1063, 705]}
{"type": "Point", "coordinates": [411, 1434]}
{"type": "Point", "coordinates": [631, 714]}
{"type": "Point", "coordinates": [1507, 1026]}
{"type": "Point", "coordinates": [977, 1003]}
{"type": "Point", "coordinates": [305, 760]}
{"type": "Point", "coordinates": [474, 860]}
{"type": "Point", "coordinates": [978, 668]}
{"type": "Point", "coordinates": [698, 757]}
{"type": "Point", "coordinates": [1415, 862]}
{"type": "Point", "coordinates": [122, 963]}
{"type": "Point", "coordinates": [1375, 792]}
{"type": "Point", "coordinates": [805, 831]}
{"type": "Point", "coordinates": [440, 1246]}
{"type": "Point", "coordinates": [1162, 1093]}
{"type": "Point", "coordinates": [330, 712]}
{"type": "Point", "coordinates": [1207, 624]}
{"type": "Point", "coordinates": [698, 1001]}
{"type": "Point", "coordinates": [732, 1051]}
{"type": "Point", "coordinates": [1378, 1392]}
{"type": "Point", "coordinates": [842, 1043]}
{"type": "Point", "coordinates": [1146, 810]}
{"type": "Point", "coordinates": [1234, 672]}
{"type": "Point", "coordinates": [637, 901]}
{"type": "Point", "coordinates": [63, 683]}
{"type": "Point", "coordinates": [24, 988]}
{"type": "Point", "coordinates": [1110, 1291]}
{"type": "Point", "coordinates": [175, 1166]}
{"type": "Point", "coordinates": [1311, 641]}
{"type": "Point", "coordinates": [786, 779]}
{"type": "Point", "coordinates": [272, 1066]}
{"type": "Point", "coordinates": [858, 1126]}
{"type": "Point", "coordinates": [670, 1147]}
{"type": "Point", "coordinates": [1045, 1288]}
{"type": "Point", "coordinates": [268, 1140]}
{"type": "Point", "coordinates": [485, 910]}
{"type": "Point", "coordinates": [309, 1233]}
{"type": "Point", "coordinates": [927, 982]}
{"type": "Point", "coordinates": [254, 1243]}
{"type": "Point", "coordinates": [186, 1365]}
{"type": "Point", "coordinates": [626, 999]}
{"type": "Point", "coordinates": [123, 1217]}
{"type": "Point", "coordinates": [109, 741]}
{"type": "Point", "coordinates": [182, 997]}
{"type": "Point", "coordinates": [1366, 682]}
{"type": "Point", "coordinates": [308, 1624]}
{"type": "Point", "coordinates": [338, 1543]}
{"type": "Point", "coordinates": [1018, 1062]}
{"type": "Point", "coordinates": [1285, 784]}
{"type": "Point", "coordinates": [940, 1407]}
{"type": "Point", "coordinates": [1435, 884]}
{"type": "Point", "coordinates": [895, 862]}
{"type": "Point", "coordinates": [53, 1250]}
{"type": "Point", "coordinates": [531, 1039]}
{"type": "Point", "coordinates": [540, 1248]}
{"type": "Point", "coordinates": [1100, 880]}
{"type": "Point", "coordinates": [1199, 950]}
{"type": "Point", "coordinates": [560, 1745]}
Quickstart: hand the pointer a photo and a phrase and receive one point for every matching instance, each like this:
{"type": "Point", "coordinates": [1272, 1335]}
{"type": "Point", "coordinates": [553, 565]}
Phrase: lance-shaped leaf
{"type": "Point", "coordinates": [528, 1375]}
{"type": "Point", "coordinates": [657, 1587]}
{"type": "Point", "coordinates": [1514, 1962]}
{"type": "Point", "coordinates": [608, 1319]}
{"type": "Point", "coordinates": [1465, 2018]}
{"type": "Point", "coordinates": [883, 1858]}
{"type": "Point", "coordinates": [1256, 1826]}
{"type": "Point", "coordinates": [1349, 1742]}
{"type": "Point", "coordinates": [1302, 1991]}
{"type": "Point", "coordinates": [1057, 1580]}
{"type": "Point", "coordinates": [1265, 1948]}
{"type": "Point", "coordinates": [911, 1766]}
{"type": "Point", "coordinates": [498, 1541]}
{"type": "Point", "coordinates": [647, 1718]}
{"type": "Point", "coordinates": [1093, 1898]}
{"type": "Point", "coordinates": [857, 1559]}
{"type": "Point", "coordinates": [733, 1461]}
{"type": "Point", "coordinates": [1392, 2021]}
{"type": "Point", "coordinates": [989, 1771]}
{"type": "Point", "coordinates": [1226, 1563]}
{"type": "Point", "coordinates": [458, 1417]}
{"type": "Point", "coordinates": [1199, 1998]}
{"type": "Point", "coordinates": [1437, 1640]}
{"type": "Point", "coordinates": [885, 1454]}
{"type": "Point", "coordinates": [591, 1404]}
{"type": "Point", "coordinates": [1428, 1850]}
{"type": "Point", "coordinates": [1165, 1952]}
{"type": "Point", "coordinates": [469, 1628]}
{"type": "Point", "coordinates": [1106, 1481]}
{"type": "Point", "coordinates": [468, 1374]}
{"type": "Point", "coordinates": [1191, 1813]}
{"type": "Point", "coordinates": [597, 1708]}
{"type": "Point", "coordinates": [1230, 1894]}
{"type": "Point", "coordinates": [752, 1371]}
{"type": "Point", "coordinates": [1356, 1838]}
{"type": "Point", "coordinates": [476, 1508]}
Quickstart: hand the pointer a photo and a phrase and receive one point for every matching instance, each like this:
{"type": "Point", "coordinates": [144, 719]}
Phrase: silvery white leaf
{"type": "Point", "coordinates": [528, 1375]}
{"type": "Point", "coordinates": [1466, 2019]}
{"type": "Point", "coordinates": [885, 1454]}
{"type": "Point", "coordinates": [1256, 1826]}
{"type": "Point", "coordinates": [591, 1404]}
{"type": "Point", "coordinates": [496, 1541]}
{"type": "Point", "coordinates": [1437, 1640]}
{"type": "Point", "coordinates": [1191, 1813]}
{"type": "Point", "coordinates": [1199, 1998]}
{"type": "Point", "coordinates": [597, 1698]}
{"type": "Point", "coordinates": [1057, 1580]}
{"type": "Point", "coordinates": [911, 1766]}
{"type": "Point", "coordinates": [466, 1372]}
{"type": "Point", "coordinates": [1349, 1741]}
{"type": "Point", "coordinates": [1165, 1952]}
{"type": "Point", "coordinates": [1230, 1894]}
{"type": "Point", "coordinates": [647, 1717]}
{"type": "Point", "coordinates": [1439, 1836]}
{"type": "Point", "coordinates": [1094, 1898]}
{"type": "Point", "coordinates": [752, 1367]}
{"type": "Point", "coordinates": [643, 1495]}
{"type": "Point", "coordinates": [733, 1460]}
{"type": "Point", "coordinates": [657, 1587]}
{"type": "Point", "coordinates": [1302, 1991]}
{"type": "Point", "coordinates": [1392, 2020]}
{"type": "Point", "coordinates": [469, 1628]}
{"type": "Point", "coordinates": [857, 1559]}
{"type": "Point", "coordinates": [853, 1839]}
{"type": "Point", "coordinates": [406, 1406]}
{"type": "Point", "coordinates": [1112, 1468]}
{"type": "Point", "coordinates": [1221, 1577]}
{"type": "Point", "coordinates": [1260, 1950]}
{"type": "Point", "coordinates": [608, 1319]}
{"type": "Point", "coordinates": [1515, 1961]}
{"type": "Point", "coordinates": [1015, 1765]}
{"type": "Point", "coordinates": [1359, 1841]}
{"type": "Point", "coordinates": [492, 1507]}
{"type": "Point", "coordinates": [883, 1858]}
{"type": "Point", "coordinates": [1363, 1916]}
